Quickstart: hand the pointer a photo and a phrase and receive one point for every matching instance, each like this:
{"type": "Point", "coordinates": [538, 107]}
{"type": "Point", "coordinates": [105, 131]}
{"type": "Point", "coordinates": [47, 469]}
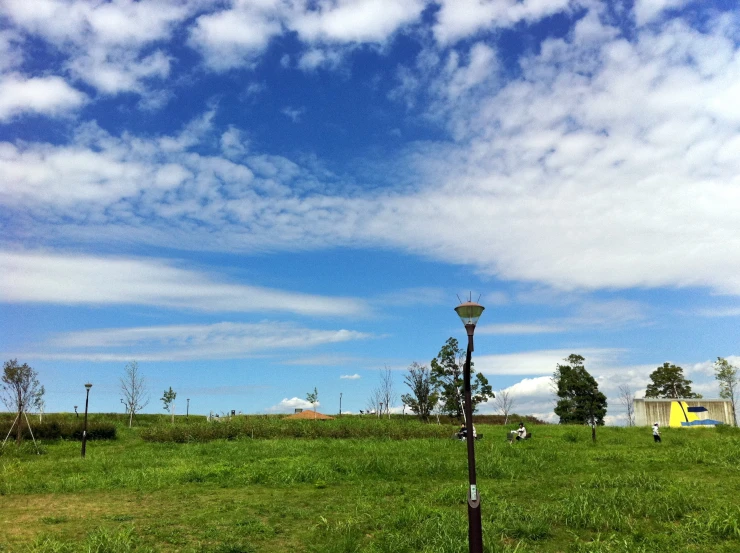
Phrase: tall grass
{"type": "Point", "coordinates": [276, 427]}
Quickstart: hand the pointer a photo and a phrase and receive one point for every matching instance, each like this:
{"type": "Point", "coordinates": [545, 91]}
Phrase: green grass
{"type": "Point", "coordinates": [555, 493]}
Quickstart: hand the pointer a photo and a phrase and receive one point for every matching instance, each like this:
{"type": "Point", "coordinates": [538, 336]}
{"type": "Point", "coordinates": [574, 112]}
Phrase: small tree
{"type": "Point", "coordinates": [422, 398]}
{"type": "Point", "coordinates": [668, 382]}
{"type": "Point", "coordinates": [447, 379]}
{"type": "Point", "coordinates": [313, 398]}
{"type": "Point", "coordinates": [727, 376]}
{"type": "Point", "coordinates": [168, 399]}
{"type": "Point", "coordinates": [387, 392]}
{"type": "Point", "coordinates": [504, 402]}
{"type": "Point", "coordinates": [375, 400]}
{"type": "Point", "coordinates": [133, 388]}
{"type": "Point", "coordinates": [627, 398]}
{"type": "Point", "coordinates": [20, 391]}
{"type": "Point", "coordinates": [580, 401]}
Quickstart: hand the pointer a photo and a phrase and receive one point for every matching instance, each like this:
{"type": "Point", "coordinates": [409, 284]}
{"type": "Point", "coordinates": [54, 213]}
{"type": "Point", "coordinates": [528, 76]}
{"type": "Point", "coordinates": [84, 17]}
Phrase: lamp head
{"type": "Point", "coordinates": [469, 312]}
{"type": "Point", "coordinates": [88, 386]}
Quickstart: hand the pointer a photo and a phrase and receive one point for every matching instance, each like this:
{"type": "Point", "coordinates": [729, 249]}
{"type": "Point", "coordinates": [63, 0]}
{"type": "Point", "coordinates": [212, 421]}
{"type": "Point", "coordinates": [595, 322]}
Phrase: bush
{"type": "Point", "coordinates": [57, 427]}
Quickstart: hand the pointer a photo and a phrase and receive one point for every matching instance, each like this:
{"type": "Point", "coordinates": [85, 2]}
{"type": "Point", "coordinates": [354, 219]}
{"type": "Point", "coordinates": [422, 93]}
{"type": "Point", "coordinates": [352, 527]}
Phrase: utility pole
{"type": "Point", "coordinates": [340, 403]}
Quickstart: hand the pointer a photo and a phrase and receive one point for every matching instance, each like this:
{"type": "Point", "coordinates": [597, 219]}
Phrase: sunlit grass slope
{"type": "Point", "coordinates": [555, 493]}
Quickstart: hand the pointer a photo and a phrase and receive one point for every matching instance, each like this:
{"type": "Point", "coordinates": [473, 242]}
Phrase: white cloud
{"type": "Point", "coordinates": [314, 58]}
{"type": "Point", "coordinates": [104, 43]}
{"type": "Point", "coordinates": [586, 313]}
{"type": "Point", "coordinates": [582, 168]}
{"type": "Point", "coordinates": [236, 36]}
{"type": "Point", "coordinates": [720, 312]}
{"type": "Point", "coordinates": [11, 54]}
{"type": "Point", "coordinates": [289, 405]}
{"type": "Point", "coordinates": [355, 20]}
{"type": "Point", "coordinates": [608, 164]}
{"type": "Point", "coordinates": [542, 361]}
{"type": "Point", "coordinates": [294, 114]}
{"type": "Point", "coordinates": [350, 376]}
{"type": "Point", "coordinates": [44, 95]}
{"type": "Point", "coordinates": [459, 19]}
{"type": "Point", "coordinates": [327, 360]}
{"type": "Point", "coordinates": [518, 328]}
{"type": "Point", "coordinates": [37, 277]}
{"type": "Point", "coordinates": [188, 342]}
{"type": "Point", "coordinates": [648, 10]}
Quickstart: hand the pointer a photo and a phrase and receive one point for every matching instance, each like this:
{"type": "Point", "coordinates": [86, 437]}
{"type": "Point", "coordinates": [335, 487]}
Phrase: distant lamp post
{"type": "Point", "coordinates": [469, 313]}
{"type": "Point", "coordinates": [76, 413]}
{"type": "Point", "coordinates": [380, 414]}
{"type": "Point", "coordinates": [187, 410]}
{"type": "Point", "coordinates": [84, 430]}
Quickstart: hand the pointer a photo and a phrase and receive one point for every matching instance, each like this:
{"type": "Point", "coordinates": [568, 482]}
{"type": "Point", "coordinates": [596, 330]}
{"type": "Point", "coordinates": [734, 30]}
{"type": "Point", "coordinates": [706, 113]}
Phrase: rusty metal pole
{"type": "Point", "coordinates": [475, 526]}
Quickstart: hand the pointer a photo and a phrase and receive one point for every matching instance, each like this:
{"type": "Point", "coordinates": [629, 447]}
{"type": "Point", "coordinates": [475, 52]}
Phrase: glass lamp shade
{"type": "Point", "coordinates": [88, 385]}
{"type": "Point", "coordinates": [469, 312]}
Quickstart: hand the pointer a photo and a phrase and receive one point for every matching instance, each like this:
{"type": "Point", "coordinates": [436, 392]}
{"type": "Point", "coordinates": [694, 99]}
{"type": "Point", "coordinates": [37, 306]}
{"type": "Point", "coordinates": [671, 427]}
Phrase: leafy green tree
{"type": "Point", "coordinates": [422, 398]}
{"type": "Point", "coordinates": [447, 380]}
{"type": "Point", "coordinates": [727, 376]}
{"type": "Point", "coordinates": [580, 401]}
{"type": "Point", "coordinates": [168, 399]}
{"type": "Point", "coordinates": [313, 398]}
{"type": "Point", "coordinates": [20, 391]}
{"type": "Point", "coordinates": [668, 382]}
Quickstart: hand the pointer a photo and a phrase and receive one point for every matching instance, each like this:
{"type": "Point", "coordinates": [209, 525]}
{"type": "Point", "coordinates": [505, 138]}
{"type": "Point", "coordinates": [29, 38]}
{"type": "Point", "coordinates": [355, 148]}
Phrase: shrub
{"type": "Point", "coordinates": [56, 427]}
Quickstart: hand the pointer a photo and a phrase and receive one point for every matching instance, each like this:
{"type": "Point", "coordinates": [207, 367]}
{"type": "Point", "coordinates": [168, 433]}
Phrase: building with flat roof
{"type": "Point", "coordinates": [683, 412]}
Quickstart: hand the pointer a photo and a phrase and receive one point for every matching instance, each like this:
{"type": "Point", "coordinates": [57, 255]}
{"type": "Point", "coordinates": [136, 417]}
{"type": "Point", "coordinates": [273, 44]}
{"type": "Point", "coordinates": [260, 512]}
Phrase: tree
{"type": "Point", "coordinates": [668, 382]}
{"type": "Point", "coordinates": [422, 398]}
{"type": "Point", "coordinates": [20, 391]}
{"type": "Point", "coordinates": [313, 398]}
{"type": "Point", "coordinates": [580, 401]}
{"type": "Point", "coordinates": [383, 396]}
{"type": "Point", "coordinates": [504, 402]}
{"type": "Point", "coordinates": [387, 390]}
{"type": "Point", "coordinates": [447, 379]}
{"type": "Point", "coordinates": [134, 390]}
{"type": "Point", "coordinates": [168, 399]}
{"type": "Point", "coordinates": [727, 376]}
{"type": "Point", "coordinates": [627, 398]}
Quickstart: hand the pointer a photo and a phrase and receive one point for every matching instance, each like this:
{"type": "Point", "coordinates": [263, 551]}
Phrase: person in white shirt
{"type": "Point", "coordinates": [656, 433]}
{"type": "Point", "coordinates": [521, 432]}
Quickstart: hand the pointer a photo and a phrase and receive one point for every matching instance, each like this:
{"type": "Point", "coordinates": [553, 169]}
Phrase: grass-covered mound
{"type": "Point", "coordinates": [348, 427]}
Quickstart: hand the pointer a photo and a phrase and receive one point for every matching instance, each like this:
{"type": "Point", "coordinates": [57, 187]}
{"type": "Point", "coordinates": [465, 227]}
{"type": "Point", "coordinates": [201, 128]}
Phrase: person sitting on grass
{"type": "Point", "coordinates": [521, 432]}
{"type": "Point", "coordinates": [463, 433]}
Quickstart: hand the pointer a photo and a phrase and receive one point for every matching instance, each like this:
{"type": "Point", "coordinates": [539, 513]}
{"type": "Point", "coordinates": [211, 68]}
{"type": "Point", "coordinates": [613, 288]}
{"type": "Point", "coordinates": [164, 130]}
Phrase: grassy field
{"type": "Point", "coordinates": [555, 493]}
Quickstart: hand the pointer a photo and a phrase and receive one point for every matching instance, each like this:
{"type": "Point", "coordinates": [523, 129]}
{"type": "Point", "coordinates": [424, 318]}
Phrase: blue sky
{"type": "Point", "coordinates": [253, 198]}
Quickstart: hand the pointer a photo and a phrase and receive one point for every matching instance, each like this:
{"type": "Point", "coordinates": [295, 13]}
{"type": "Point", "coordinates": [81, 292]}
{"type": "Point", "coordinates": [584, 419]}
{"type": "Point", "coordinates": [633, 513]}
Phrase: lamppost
{"type": "Point", "coordinates": [469, 313]}
{"type": "Point", "coordinates": [187, 410]}
{"type": "Point", "coordinates": [84, 430]}
{"type": "Point", "coordinates": [380, 413]}
{"type": "Point", "coordinates": [76, 413]}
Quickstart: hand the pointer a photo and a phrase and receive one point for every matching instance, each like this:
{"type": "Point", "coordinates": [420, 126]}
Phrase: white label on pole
{"type": "Point", "coordinates": [473, 492]}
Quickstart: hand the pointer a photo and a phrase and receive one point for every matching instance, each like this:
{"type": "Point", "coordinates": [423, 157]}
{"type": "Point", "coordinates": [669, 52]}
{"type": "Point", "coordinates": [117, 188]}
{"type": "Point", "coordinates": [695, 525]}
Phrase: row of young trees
{"type": "Point", "coordinates": [21, 392]}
